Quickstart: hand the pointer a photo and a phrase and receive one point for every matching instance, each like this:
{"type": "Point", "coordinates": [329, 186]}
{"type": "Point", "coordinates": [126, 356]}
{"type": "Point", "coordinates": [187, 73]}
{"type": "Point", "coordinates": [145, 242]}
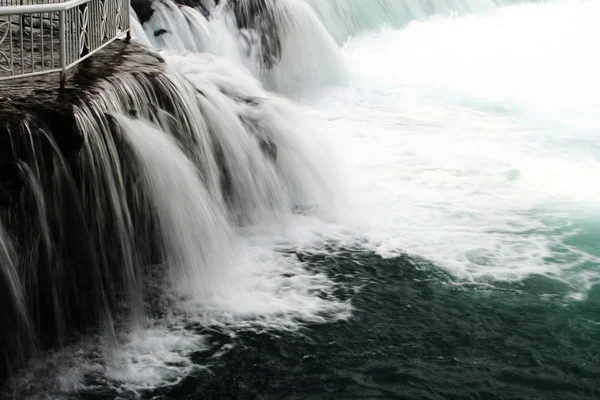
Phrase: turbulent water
{"type": "Point", "coordinates": [430, 227]}
{"type": "Point", "coordinates": [481, 141]}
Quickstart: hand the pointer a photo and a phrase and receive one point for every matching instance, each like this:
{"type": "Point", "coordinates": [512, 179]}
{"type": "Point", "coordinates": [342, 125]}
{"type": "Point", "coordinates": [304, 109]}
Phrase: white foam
{"type": "Point", "coordinates": [155, 357]}
{"type": "Point", "coordinates": [267, 291]}
{"type": "Point", "coordinates": [473, 141]}
{"type": "Point", "coordinates": [270, 291]}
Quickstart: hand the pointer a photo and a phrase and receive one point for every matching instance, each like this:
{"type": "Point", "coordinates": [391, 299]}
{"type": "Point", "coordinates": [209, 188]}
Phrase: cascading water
{"type": "Point", "coordinates": [196, 197]}
{"type": "Point", "coordinates": [281, 42]}
{"type": "Point", "coordinates": [247, 121]}
{"type": "Point", "coordinates": [15, 316]}
{"type": "Point", "coordinates": [195, 237]}
{"type": "Point", "coordinates": [52, 241]}
{"type": "Point", "coordinates": [171, 164]}
{"type": "Point", "coordinates": [10, 274]}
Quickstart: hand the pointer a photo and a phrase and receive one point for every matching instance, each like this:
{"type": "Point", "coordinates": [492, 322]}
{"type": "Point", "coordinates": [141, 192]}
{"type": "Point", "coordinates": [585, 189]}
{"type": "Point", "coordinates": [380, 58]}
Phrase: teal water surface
{"type": "Point", "coordinates": [415, 333]}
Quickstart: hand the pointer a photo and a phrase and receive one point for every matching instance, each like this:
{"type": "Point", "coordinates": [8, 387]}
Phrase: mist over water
{"type": "Point", "coordinates": [473, 141]}
{"type": "Point", "coordinates": [430, 212]}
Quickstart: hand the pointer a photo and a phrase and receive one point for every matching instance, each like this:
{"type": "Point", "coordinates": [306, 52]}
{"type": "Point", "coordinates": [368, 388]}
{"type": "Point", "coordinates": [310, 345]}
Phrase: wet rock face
{"type": "Point", "coordinates": [143, 9]}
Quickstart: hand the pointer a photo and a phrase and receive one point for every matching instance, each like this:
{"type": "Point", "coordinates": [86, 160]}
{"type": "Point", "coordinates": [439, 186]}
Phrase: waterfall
{"type": "Point", "coordinates": [195, 237]}
{"type": "Point", "coordinates": [157, 203]}
{"type": "Point", "coordinates": [266, 149]}
{"type": "Point", "coordinates": [159, 171]}
{"type": "Point", "coordinates": [52, 272]}
{"type": "Point", "coordinates": [282, 42]}
{"type": "Point", "coordinates": [14, 315]}
{"type": "Point", "coordinates": [10, 275]}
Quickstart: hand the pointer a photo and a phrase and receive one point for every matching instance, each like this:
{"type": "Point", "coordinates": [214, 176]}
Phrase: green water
{"type": "Point", "coordinates": [415, 333]}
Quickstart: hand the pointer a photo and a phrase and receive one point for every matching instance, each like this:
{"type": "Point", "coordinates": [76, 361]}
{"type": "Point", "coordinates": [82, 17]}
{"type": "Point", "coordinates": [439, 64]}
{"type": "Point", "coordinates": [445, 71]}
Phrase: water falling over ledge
{"type": "Point", "coordinates": [139, 163]}
{"type": "Point", "coordinates": [166, 223]}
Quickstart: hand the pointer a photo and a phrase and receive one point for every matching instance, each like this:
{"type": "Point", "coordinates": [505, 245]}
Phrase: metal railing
{"type": "Point", "coordinates": [51, 36]}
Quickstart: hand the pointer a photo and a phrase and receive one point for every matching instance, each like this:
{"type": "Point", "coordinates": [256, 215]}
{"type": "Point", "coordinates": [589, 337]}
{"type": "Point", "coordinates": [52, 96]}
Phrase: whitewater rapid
{"type": "Point", "coordinates": [472, 142]}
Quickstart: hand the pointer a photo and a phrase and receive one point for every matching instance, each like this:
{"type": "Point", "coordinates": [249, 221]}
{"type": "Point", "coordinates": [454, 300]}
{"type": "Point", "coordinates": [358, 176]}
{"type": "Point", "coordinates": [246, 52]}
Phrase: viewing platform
{"type": "Point", "coordinates": [40, 37]}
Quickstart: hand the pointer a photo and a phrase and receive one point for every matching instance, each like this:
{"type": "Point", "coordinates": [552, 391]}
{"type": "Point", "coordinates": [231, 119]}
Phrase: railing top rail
{"type": "Point", "coordinates": [41, 8]}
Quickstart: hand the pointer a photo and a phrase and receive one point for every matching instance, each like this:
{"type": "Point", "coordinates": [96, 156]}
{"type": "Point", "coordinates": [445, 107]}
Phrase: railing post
{"type": "Point", "coordinates": [63, 50]}
{"type": "Point", "coordinates": [22, 17]}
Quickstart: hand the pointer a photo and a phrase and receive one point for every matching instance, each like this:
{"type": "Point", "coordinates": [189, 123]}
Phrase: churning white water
{"type": "Point", "coordinates": [473, 141]}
